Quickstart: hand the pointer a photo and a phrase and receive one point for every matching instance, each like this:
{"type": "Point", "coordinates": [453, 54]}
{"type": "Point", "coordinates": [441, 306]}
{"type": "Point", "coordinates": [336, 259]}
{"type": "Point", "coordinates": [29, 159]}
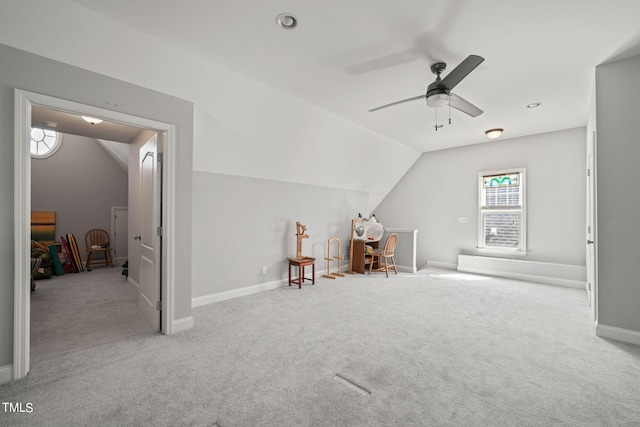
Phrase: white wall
{"type": "Point", "coordinates": [242, 127]}
{"type": "Point", "coordinates": [618, 197]}
{"type": "Point", "coordinates": [442, 186]}
{"type": "Point", "coordinates": [81, 182]}
{"type": "Point", "coordinates": [243, 224]}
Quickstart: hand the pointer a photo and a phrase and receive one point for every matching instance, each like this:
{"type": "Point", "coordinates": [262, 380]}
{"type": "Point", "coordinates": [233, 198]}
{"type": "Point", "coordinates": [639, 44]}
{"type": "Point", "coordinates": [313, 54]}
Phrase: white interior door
{"type": "Point", "coordinates": [149, 298]}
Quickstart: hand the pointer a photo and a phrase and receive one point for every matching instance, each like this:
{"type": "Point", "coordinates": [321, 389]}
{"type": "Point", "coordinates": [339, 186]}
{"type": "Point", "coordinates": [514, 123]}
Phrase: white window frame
{"type": "Point", "coordinates": [51, 149]}
{"type": "Point", "coordinates": [521, 250]}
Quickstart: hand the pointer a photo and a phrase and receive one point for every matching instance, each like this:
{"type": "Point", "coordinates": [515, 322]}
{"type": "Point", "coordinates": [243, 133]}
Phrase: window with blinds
{"type": "Point", "coordinates": [501, 210]}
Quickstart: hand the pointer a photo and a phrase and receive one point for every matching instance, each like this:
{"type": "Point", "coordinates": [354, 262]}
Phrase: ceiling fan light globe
{"type": "Point", "coordinates": [438, 100]}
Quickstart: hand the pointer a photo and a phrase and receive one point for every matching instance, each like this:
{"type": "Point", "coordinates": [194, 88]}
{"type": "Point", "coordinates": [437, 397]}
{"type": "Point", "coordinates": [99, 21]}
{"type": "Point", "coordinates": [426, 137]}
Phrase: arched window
{"type": "Point", "coordinates": [44, 142]}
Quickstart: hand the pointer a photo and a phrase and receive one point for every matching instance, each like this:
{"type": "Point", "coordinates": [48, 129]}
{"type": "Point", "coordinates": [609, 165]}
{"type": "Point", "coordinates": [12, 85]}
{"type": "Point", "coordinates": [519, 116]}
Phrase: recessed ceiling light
{"type": "Point", "coordinates": [533, 105]}
{"type": "Point", "coordinates": [287, 21]}
{"type": "Point", "coordinates": [91, 120]}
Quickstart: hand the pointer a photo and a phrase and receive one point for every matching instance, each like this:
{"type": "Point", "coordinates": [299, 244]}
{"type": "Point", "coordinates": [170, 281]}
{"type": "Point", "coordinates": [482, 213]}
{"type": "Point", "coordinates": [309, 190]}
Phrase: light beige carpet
{"type": "Point", "coordinates": [81, 310]}
{"type": "Point", "coordinates": [428, 349]}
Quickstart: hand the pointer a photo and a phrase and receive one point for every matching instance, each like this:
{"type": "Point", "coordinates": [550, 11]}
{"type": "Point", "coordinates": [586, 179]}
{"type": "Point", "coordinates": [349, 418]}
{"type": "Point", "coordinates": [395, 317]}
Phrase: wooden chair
{"type": "Point", "coordinates": [385, 253]}
{"type": "Point", "coordinates": [98, 241]}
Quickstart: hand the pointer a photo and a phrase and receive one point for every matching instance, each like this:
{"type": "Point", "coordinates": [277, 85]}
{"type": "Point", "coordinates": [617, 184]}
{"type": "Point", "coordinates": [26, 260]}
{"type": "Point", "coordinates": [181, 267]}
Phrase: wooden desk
{"type": "Point", "coordinates": [301, 263]}
{"type": "Point", "coordinates": [359, 263]}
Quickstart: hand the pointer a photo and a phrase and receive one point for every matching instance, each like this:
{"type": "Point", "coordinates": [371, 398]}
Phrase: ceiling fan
{"type": "Point", "coordinates": [439, 92]}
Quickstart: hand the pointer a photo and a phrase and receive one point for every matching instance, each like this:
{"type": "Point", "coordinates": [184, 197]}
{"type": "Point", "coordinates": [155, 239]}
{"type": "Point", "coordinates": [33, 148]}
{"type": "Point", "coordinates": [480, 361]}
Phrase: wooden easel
{"type": "Point", "coordinates": [300, 261]}
{"type": "Point", "coordinates": [350, 270]}
{"type": "Point", "coordinates": [300, 230]}
{"type": "Point", "coordinates": [329, 259]}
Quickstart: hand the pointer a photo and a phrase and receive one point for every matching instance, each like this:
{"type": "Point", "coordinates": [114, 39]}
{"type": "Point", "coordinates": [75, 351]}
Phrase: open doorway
{"type": "Point", "coordinates": [76, 187]}
{"type": "Point", "coordinates": [162, 190]}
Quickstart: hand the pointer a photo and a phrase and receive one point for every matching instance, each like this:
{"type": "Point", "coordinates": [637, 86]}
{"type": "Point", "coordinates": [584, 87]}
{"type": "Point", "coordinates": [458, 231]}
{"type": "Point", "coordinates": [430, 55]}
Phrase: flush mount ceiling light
{"type": "Point", "coordinates": [533, 105]}
{"type": "Point", "coordinates": [91, 120]}
{"type": "Point", "coordinates": [494, 133]}
{"type": "Point", "coordinates": [286, 21]}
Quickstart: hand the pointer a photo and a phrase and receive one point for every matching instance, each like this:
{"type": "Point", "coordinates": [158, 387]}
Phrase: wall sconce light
{"type": "Point", "coordinates": [494, 133]}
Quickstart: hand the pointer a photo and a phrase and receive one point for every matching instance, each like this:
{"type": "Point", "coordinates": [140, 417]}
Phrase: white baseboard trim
{"type": "Point", "coordinates": [618, 334]}
{"type": "Point", "coordinates": [572, 276]}
{"type": "Point", "coordinates": [241, 292]}
{"type": "Point", "coordinates": [438, 264]}
{"type": "Point", "coordinates": [254, 289]}
{"type": "Point", "coordinates": [183, 324]}
{"type": "Point", "coordinates": [524, 277]}
{"type": "Point", "coordinates": [406, 269]}
{"type": "Point", "coordinates": [133, 284]}
{"type": "Point", "coordinates": [6, 374]}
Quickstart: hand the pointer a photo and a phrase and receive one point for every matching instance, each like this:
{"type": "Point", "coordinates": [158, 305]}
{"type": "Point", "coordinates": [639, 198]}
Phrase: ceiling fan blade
{"type": "Point", "coordinates": [463, 105]}
{"type": "Point", "coordinates": [461, 71]}
{"type": "Point", "coordinates": [398, 102]}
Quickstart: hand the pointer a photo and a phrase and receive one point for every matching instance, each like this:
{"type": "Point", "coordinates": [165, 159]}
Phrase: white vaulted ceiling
{"type": "Point", "coordinates": [292, 105]}
{"type": "Point", "coordinates": [350, 56]}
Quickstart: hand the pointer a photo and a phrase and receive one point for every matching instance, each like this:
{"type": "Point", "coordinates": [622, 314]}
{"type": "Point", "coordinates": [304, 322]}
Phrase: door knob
{"type": "Point", "coordinates": [590, 242]}
{"type": "Point", "coordinates": [138, 237]}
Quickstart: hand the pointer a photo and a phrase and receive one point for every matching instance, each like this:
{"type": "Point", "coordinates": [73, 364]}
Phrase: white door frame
{"type": "Point", "coordinates": [23, 103]}
{"type": "Point", "coordinates": [592, 231]}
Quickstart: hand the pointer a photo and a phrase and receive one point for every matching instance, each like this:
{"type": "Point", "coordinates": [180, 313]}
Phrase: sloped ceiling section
{"type": "Point", "coordinates": [348, 57]}
{"type": "Point", "coordinates": [242, 127]}
{"type": "Point", "coordinates": [117, 150]}
{"type": "Point", "coordinates": [73, 124]}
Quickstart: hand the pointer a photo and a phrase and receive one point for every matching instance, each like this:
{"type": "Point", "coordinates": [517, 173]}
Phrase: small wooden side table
{"type": "Point", "coordinates": [301, 263]}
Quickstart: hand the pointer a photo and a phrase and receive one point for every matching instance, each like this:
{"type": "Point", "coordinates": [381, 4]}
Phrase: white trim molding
{"type": "Point", "coordinates": [618, 334]}
{"type": "Point", "coordinates": [250, 290]}
{"type": "Point", "coordinates": [572, 276]}
{"type": "Point", "coordinates": [183, 324]}
{"type": "Point", "coordinates": [6, 374]}
{"type": "Point", "coordinates": [236, 293]}
{"type": "Point", "coordinates": [438, 264]}
{"type": "Point", "coordinates": [498, 252]}
{"type": "Point", "coordinates": [22, 211]}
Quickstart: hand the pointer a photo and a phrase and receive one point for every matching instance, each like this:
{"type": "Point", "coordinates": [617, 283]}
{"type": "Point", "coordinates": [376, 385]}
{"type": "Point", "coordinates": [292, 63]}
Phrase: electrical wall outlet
{"type": "Point", "coordinates": [264, 269]}
{"type": "Point", "coordinates": [463, 220]}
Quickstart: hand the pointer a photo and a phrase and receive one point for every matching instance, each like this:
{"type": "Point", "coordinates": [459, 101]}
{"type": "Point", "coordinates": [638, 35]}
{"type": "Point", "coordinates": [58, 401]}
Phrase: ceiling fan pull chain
{"type": "Point", "coordinates": [437, 126]}
{"type": "Point", "coordinates": [449, 109]}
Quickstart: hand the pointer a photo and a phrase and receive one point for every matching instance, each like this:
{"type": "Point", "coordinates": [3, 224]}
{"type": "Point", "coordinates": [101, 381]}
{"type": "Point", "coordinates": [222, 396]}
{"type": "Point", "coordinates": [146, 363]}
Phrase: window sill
{"type": "Point", "coordinates": [495, 251]}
